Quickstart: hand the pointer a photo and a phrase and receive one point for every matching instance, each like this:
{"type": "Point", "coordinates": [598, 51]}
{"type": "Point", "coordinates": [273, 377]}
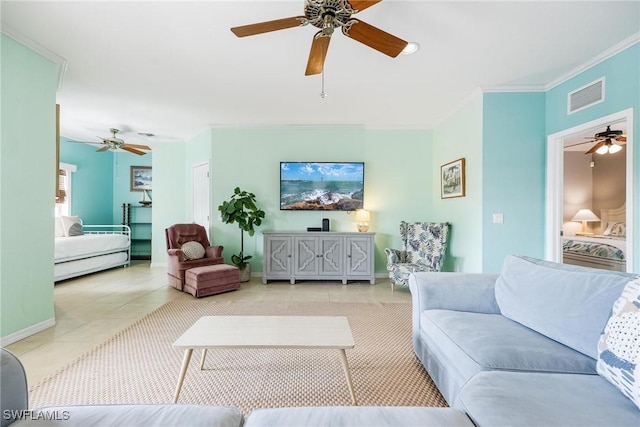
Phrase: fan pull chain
{"type": "Point", "coordinates": [323, 94]}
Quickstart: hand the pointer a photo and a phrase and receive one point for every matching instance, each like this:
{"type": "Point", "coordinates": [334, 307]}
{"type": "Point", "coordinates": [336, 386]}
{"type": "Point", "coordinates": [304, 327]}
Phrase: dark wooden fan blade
{"type": "Point", "coordinates": [622, 138]}
{"type": "Point", "coordinates": [359, 5]}
{"type": "Point", "coordinates": [374, 38]}
{"type": "Point", "coordinates": [268, 26]}
{"type": "Point", "coordinates": [133, 150]}
{"type": "Point", "coordinates": [318, 53]}
{"type": "Point", "coordinates": [595, 147]}
{"type": "Point", "coordinates": [142, 147]}
{"type": "Point", "coordinates": [105, 148]}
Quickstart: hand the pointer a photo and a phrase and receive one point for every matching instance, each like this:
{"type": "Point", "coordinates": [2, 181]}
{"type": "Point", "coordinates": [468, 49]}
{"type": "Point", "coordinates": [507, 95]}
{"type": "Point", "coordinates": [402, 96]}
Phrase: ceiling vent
{"type": "Point", "coordinates": [586, 96]}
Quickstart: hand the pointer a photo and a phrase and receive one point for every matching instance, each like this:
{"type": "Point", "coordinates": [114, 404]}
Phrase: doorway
{"type": "Point", "coordinates": [555, 185]}
{"type": "Point", "coordinates": [201, 196]}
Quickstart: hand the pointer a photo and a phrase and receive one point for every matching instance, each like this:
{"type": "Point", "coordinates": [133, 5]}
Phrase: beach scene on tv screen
{"type": "Point", "coordinates": [321, 186]}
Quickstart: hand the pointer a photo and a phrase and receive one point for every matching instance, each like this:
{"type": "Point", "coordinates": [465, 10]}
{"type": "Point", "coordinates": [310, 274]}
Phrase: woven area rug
{"type": "Point", "coordinates": [139, 364]}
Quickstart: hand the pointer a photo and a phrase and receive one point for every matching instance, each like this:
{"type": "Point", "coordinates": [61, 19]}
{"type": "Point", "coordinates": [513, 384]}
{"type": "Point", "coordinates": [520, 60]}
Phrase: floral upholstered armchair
{"type": "Point", "coordinates": [423, 249]}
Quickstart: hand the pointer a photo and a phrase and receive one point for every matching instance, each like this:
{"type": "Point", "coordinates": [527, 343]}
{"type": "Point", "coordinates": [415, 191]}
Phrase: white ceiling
{"type": "Point", "coordinates": [174, 68]}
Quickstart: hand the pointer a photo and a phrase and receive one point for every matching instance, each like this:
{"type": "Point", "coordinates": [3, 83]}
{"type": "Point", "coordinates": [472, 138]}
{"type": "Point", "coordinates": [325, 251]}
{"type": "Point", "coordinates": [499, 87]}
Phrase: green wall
{"type": "Point", "coordinates": [27, 182]}
{"type": "Point", "coordinates": [169, 185]}
{"type": "Point", "coordinates": [460, 136]}
{"type": "Point", "coordinates": [250, 159]}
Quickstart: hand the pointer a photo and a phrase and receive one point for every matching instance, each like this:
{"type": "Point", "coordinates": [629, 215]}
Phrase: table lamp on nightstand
{"type": "Point", "coordinates": [585, 215]}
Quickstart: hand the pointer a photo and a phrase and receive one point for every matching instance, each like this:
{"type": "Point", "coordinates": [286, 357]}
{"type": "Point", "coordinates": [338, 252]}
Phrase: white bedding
{"type": "Point", "coordinates": [88, 245]}
{"type": "Point", "coordinates": [79, 267]}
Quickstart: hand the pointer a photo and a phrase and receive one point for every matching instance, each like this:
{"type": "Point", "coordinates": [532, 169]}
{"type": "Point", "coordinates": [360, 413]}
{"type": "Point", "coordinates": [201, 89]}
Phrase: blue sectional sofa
{"type": "Point", "coordinates": [520, 348]}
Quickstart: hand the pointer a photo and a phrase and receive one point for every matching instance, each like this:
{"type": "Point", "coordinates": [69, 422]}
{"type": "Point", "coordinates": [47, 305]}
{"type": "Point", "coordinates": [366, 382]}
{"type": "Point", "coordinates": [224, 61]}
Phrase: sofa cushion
{"type": "Point", "coordinates": [461, 344]}
{"type": "Point", "coordinates": [619, 345]}
{"type": "Point", "coordinates": [361, 416]}
{"type": "Point", "coordinates": [137, 415]}
{"type": "Point", "coordinates": [567, 303]}
{"type": "Point", "coordinates": [531, 399]}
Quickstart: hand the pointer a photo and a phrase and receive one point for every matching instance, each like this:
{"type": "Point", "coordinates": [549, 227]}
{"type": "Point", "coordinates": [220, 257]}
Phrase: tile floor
{"type": "Point", "coordinates": [92, 308]}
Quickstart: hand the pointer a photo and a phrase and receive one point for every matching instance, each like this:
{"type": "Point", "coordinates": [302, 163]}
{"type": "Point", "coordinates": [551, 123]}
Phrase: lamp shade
{"type": "Point", "coordinates": [362, 215]}
{"type": "Point", "coordinates": [585, 215]}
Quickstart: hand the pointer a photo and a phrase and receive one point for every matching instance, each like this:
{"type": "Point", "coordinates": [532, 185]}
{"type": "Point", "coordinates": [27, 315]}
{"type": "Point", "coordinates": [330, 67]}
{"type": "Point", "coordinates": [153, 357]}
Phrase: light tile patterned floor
{"type": "Point", "coordinates": [92, 308]}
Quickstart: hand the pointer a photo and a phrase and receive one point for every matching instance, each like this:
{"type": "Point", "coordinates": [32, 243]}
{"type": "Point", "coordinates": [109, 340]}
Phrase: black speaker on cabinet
{"type": "Point", "coordinates": [325, 224]}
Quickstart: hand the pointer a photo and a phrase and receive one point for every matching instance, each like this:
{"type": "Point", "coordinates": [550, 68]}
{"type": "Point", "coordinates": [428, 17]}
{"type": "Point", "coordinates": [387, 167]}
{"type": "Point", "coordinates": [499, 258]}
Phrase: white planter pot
{"type": "Point", "coordinates": [245, 273]}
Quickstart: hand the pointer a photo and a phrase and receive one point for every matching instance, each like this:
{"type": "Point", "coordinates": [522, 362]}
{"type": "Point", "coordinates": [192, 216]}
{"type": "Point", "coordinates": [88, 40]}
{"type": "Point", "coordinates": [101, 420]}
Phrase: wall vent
{"type": "Point", "coordinates": [586, 96]}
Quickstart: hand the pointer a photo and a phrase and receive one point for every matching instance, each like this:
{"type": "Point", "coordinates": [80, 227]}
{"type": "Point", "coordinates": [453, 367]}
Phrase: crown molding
{"type": "Point", "coordinates": [514, 88]}
{"type": "Point", "coordinates": [315, 126]}
{"type": "Point", "coordinates": [39, 49]}
{"type": "Point", "coordinates": [603, 56]}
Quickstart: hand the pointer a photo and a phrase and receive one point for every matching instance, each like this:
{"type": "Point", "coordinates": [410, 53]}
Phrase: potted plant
{"type": "Point", "coordinates": [242, 210]}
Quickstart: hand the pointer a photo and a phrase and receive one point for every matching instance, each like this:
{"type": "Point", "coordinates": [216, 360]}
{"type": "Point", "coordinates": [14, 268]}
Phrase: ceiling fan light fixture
{"type": "Point", "coordinates": [614, 148]}
{"type": "Point", "coordinates": [410, 48]}
{"type": "Point", "coordinates": [603, 150]}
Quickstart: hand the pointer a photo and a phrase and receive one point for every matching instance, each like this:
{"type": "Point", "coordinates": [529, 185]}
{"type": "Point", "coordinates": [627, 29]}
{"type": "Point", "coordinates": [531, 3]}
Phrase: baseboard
{"type": "Point", "coordinates": [27, 332]}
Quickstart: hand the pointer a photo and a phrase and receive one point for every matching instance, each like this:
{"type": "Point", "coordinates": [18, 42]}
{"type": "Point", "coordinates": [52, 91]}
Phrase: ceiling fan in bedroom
{"type": "Point", "coordinates": [114, 143]}
{"type": "Point", "coordinates": [609, 141]}
{"type": "Point", "coordinates": [328, 15]}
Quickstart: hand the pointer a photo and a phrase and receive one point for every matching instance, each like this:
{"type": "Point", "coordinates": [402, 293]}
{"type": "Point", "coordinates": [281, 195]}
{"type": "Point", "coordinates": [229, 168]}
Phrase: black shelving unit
{"type": "Point", "coordinates": [138, 218]}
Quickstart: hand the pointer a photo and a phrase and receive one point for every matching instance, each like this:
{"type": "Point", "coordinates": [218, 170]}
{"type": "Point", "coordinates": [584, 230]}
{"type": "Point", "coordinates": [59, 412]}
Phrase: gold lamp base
{"type": "Point", "coordinates": [363, 226]}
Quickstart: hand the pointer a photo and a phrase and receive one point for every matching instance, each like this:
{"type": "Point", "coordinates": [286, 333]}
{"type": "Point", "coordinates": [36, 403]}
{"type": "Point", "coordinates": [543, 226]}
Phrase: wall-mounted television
{"type": "Point", "coordinates": [321, 186]}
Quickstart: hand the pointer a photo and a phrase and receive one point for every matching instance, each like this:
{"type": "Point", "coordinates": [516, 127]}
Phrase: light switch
{"type": "Point", "coordinates": [498, 218]}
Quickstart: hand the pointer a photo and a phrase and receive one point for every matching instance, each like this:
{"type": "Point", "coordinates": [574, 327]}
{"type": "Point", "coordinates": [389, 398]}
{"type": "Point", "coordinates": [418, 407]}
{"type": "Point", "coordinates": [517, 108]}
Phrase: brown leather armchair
{"type": "Point", "coordinates": [176, 236]}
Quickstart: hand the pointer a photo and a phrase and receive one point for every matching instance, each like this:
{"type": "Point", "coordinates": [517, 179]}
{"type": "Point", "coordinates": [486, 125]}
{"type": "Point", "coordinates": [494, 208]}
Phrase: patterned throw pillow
{"type": "Point", "coordinates": [619, 345]}
{"type": "Point", "coordinates": [192, 250]}
{"type": "Point", "coordinates": [618, 229]}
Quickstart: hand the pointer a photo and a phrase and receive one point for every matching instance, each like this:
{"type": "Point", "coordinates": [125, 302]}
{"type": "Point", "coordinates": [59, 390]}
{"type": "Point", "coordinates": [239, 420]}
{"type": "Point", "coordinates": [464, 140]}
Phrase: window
{"type": "Point", "coordinates": [63, 206]}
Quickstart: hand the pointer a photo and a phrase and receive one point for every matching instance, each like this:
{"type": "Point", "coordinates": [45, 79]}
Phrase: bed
{"type": "Point", "coordinates": [606, 249]}
{"type": "Point", "coordinates": [90, 248]}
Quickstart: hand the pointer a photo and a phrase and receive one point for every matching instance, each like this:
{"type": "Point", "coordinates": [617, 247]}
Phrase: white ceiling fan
{"type": "Point", "coordinates": [114, 143]}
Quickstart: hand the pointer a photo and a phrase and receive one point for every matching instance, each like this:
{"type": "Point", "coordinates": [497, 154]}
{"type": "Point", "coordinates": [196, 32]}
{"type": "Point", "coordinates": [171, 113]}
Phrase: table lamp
{"type": "Point", "coordinates": [585, 215]}
{"type": "Point", "coordinates": [363, 217]}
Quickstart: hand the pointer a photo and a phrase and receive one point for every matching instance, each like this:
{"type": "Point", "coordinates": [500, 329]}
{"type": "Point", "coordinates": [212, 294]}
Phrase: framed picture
{"type": "Point", "coordinates": [141, 178]}
{"type": "Point", "coordinates": [452, 179]}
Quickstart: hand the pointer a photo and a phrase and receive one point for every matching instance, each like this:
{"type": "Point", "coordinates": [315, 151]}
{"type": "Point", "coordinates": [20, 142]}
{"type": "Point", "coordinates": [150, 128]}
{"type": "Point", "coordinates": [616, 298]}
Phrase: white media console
{"type": "Point", "coordinates": [318, 255]}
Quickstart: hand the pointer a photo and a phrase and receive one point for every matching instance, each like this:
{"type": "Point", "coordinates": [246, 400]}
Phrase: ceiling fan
{"type": "Point", "coordinates": [605, 141]}
{"type": "Point", "coordinates": [113, 143]}
{"type": "Point", "coordinates": [328, 15]}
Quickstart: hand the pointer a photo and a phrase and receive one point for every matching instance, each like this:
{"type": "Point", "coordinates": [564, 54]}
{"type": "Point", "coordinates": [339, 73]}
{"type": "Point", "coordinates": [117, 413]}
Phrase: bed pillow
{"type": "Point", "coordinates": [619, 344]}
{"type": "Point", "coordinates": [59, 229]}
{"type": "Point", "coordinates": [192, 250]}
{"type": "Point", "coordinates": [617, 229]}
{"type": "Point", "coordinates": [72, 226]}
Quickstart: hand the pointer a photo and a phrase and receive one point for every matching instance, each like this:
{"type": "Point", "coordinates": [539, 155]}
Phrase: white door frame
{"type": "Point", "coordinates": [554, 187]}
{"type": "Point", "coordinates": [195, 191]}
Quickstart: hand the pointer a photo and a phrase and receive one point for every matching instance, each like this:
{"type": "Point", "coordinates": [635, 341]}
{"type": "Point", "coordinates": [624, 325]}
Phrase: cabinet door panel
{"type": "Point", "coordinates": [280, 253]}
{"type": "Point", "coordinates": [359, 256]}
{"type": "Point", "coordinates": [331, 260]}
{"type": "Point", "coordinates": [306, 257]}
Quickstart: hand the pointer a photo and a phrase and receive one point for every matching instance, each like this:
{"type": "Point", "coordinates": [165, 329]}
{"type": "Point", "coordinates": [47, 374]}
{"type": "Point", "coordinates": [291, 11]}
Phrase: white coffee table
{"type": "Point", "coordinates": [310, 332]}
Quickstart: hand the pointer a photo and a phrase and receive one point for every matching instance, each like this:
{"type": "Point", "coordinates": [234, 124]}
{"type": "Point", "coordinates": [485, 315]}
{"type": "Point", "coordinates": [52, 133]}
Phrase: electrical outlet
{"type": "Point", "coordinates": [498, 218]}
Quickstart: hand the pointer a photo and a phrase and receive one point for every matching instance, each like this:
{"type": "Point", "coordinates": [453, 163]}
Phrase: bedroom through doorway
{"type": "Point", "coordinates": [589, 194]}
